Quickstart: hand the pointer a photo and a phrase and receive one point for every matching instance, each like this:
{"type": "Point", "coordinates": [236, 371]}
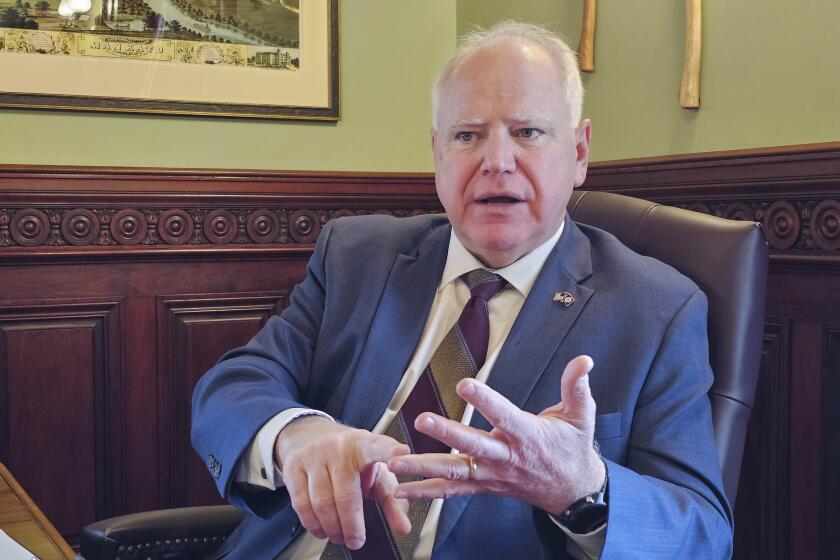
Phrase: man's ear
{"type": "Point", "coordinates": [583, 141]}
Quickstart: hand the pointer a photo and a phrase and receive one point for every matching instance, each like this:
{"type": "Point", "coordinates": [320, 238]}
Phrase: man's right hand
{"type": "Point", "coordinates": [329, 468]}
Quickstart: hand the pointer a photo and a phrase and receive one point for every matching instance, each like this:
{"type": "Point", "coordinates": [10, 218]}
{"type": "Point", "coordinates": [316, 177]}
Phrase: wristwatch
{"type": "Point", "coordinates": [588, 513]}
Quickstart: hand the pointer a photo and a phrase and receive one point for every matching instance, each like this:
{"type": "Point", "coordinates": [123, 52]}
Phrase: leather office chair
{"type": "Point", "coordinates": [726, 258]}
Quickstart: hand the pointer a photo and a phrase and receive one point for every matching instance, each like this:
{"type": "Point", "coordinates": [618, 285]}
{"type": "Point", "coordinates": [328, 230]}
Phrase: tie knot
{"type": "Point", "coordinates": [484, 284]}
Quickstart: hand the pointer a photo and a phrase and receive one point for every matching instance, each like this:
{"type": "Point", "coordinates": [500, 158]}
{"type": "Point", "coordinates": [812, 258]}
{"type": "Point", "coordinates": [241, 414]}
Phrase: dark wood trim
{"type": "Point", "coordinates": [803, 263]}
{"type": "Point", "coordinates": [102, 319]}
{"type": "Point", "coordinates": [830, 499]}
{"type": "Point", "coordinates": [794, 191]}
{"type": "Point", "coordinates": [21, 255]}
{"type": "Point", "coordinates": [177, 316]}
{"type": "Point", "coordinates": [789, 171]}
{"type": "Point", "coordinates": [85, 213]}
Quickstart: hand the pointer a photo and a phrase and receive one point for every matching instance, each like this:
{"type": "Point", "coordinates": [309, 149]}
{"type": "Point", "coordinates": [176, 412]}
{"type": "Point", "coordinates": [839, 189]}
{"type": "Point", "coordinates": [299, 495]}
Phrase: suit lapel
{"type": "Point", "coordinates": [537, 333]}
{"type": "Point", "coordinates": [395, 332]}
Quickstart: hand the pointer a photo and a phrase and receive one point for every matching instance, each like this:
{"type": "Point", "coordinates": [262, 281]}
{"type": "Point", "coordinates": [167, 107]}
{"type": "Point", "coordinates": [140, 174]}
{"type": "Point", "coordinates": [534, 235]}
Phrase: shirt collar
{"type": "Point", "coordinates": [521, 274]}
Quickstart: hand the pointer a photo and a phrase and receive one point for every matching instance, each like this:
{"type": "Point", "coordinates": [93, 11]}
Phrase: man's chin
{"type": "Point", "coordinates": [498, 253]}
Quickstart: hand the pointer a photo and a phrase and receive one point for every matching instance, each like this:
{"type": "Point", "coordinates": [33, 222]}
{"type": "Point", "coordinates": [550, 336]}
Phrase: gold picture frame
{"type": "Point", "coordinates": [221, 58]}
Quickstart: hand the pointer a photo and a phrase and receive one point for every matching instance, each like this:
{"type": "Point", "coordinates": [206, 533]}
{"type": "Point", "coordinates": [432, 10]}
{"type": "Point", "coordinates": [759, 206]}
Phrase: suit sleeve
{"type": "Point", "coordinates": [250, 385]}
{"type": "Point", "coordinates": [667, 500]}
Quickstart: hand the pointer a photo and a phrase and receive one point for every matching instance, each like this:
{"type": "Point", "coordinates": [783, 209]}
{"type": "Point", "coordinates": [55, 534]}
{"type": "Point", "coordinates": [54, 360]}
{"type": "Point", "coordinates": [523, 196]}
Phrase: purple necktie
{"type": "Point", "coordinates": [461, 354]}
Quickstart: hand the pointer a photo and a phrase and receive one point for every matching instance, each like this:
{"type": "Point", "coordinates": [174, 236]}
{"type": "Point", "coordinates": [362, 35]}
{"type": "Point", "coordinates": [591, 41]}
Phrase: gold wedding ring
{"type": "Point", "coordinates": [473, 468]}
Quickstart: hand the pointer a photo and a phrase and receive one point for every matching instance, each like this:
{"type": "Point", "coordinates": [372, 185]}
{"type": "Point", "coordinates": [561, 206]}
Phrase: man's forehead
{"type": "Point", "coordinates": [506, 67]}
{"type": "Point", "coordinates": [508, 47]}
{"type": "Point", "coordinates": [513, 80]}
{"type": "Point", "coordinates": [475, 105]}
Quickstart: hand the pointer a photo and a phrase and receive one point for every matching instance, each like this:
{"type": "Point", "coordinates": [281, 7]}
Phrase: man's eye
{"type": "Point", "coordinates": [529, 133]}
{"type": "Point", "coordinates": [465, 136]}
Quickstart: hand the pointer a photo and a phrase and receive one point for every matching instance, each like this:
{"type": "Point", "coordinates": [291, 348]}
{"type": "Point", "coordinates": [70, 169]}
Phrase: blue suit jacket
{"type": "Point", "coordinates": [352, 326]}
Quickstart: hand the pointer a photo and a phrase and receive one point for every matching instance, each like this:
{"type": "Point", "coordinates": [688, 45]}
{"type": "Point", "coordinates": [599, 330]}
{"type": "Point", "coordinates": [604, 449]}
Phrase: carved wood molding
{"type": "Point", "coordinates": [793, 191]}
{"type": "Point", "coordinates": [93, 212]}
{"type": "Point", "coordinates": [174, 226]}
{"type": "Point", "coordinates": [122, 212]}
{"type": "Point", "coordinates": [808, 225]}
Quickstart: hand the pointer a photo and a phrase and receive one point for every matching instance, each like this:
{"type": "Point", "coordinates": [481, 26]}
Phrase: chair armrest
{"type": "Point", "coordinates": [184, 533]}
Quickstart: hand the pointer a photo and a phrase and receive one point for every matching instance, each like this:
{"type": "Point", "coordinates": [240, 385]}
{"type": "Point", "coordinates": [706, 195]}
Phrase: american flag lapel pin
{"type": "Point", "coordinates": [565, 298]}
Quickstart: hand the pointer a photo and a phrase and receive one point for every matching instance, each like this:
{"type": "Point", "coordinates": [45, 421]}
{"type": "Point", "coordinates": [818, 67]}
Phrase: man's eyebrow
{"type": "Point", "coordinates": [534, 120]}
{"type": "Point", "coordinates": [463, 123]}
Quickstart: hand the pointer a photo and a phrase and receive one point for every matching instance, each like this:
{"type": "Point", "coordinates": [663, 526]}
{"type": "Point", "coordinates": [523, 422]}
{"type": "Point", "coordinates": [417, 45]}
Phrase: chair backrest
{"type": "Point", "coordinates": [728, 259]}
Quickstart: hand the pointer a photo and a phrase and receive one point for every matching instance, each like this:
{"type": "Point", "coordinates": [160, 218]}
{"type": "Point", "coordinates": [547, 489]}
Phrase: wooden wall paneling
{"type": "Point", "coordinates": [194, 331]}
{"type": "Point", "coordinates": [141, 435]}
{"type": "Point", "coordinates": [806, 291]}
{"type": "Point", "coordinates": [152, 415]}
{"type": "Point", "coordinates": [198, 259]}
{"type": "Point", "coordinates": [830, 503]}
{"type": "Point", "coordinates": [762, 509]}
{"type": "Point", "coordinates": [145, 234]}
{"type": "Point", "coordinates": [60, 369]}
{"type": "Point", "coordinates": [806, 439]}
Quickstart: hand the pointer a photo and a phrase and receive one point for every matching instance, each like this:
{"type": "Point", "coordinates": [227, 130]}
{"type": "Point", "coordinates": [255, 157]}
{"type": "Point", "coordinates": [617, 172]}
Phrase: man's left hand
{"type": "Point", "coordinates": [547, 459]}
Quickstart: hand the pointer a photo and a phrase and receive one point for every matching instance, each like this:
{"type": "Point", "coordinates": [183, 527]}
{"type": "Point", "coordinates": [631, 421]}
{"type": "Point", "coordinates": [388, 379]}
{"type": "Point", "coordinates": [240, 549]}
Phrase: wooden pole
{"type": "Point", "coordinates": [586, 46]}
{"type": "Point", "coordinates": [690, 86]}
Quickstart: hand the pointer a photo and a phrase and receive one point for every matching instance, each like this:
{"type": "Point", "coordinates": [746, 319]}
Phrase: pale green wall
{"type": "Point", "coordinates": [390, 53]}
{"type": "Point", "coordinates": [771, 77]}
{"type": "Point", "coordinates": [770, 73]}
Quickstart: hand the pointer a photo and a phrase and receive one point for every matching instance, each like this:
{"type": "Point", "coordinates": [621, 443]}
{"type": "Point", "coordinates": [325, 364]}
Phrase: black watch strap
{"type": "Point", "coordinates": [588, 513]}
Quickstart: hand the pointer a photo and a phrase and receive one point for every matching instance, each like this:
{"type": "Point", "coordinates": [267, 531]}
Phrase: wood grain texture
{"type": "Point", "coordinates": [193, 331]}
{"type": "Point", "coordinates": [162, 271]}
{"type": "Point", "coordinates": [586, 46]}
{"type": "Point", "coordinates": [60, 371]}
{"type": "Point", "coordinates": [22, 520]}
{"type": "Point", "coordinates": [690, 83]}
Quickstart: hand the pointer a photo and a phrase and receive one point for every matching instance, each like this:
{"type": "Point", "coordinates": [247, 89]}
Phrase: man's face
{"type": "Point", "coordinates": [506, 154]}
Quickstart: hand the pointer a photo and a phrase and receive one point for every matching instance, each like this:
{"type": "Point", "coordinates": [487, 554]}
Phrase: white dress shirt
{"type": "Point", "coordinates": [257, 465]}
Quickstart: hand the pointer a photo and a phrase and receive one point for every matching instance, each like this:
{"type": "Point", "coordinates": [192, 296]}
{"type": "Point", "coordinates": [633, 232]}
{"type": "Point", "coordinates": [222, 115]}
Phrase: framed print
{"type": "Point", "coordinates": [275, 59]}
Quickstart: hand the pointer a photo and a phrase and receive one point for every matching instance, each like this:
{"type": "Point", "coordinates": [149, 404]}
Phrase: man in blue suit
{"type": "Point", "coordinates": [297, 427]}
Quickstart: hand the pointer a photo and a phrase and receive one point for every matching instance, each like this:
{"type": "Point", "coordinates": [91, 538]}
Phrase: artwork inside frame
{"type": "Point", "coordinates": [276, 59]}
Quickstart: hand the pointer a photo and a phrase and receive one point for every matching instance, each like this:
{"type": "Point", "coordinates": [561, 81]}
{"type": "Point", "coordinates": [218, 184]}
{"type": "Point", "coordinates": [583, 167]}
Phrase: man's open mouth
{"type": "Point", "coordinates": [498, 200]}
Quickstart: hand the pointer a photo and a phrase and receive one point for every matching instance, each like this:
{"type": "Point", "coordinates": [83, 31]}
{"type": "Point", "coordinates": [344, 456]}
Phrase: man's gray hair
{"type": "Point", "coordinates": [563, 56]}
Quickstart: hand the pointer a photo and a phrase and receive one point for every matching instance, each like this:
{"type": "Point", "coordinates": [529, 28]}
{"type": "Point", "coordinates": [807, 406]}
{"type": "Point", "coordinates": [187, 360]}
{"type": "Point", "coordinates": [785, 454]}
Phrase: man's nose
{"type": "Point", "coordinates": [499, 155]}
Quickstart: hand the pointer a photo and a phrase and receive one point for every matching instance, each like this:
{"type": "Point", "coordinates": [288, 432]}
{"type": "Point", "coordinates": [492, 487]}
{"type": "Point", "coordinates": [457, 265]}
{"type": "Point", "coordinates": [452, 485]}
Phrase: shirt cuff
{"type": "Point", "coordinates": [584, 546]}
{"type": "Point", "coordinates": [256, 465]}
